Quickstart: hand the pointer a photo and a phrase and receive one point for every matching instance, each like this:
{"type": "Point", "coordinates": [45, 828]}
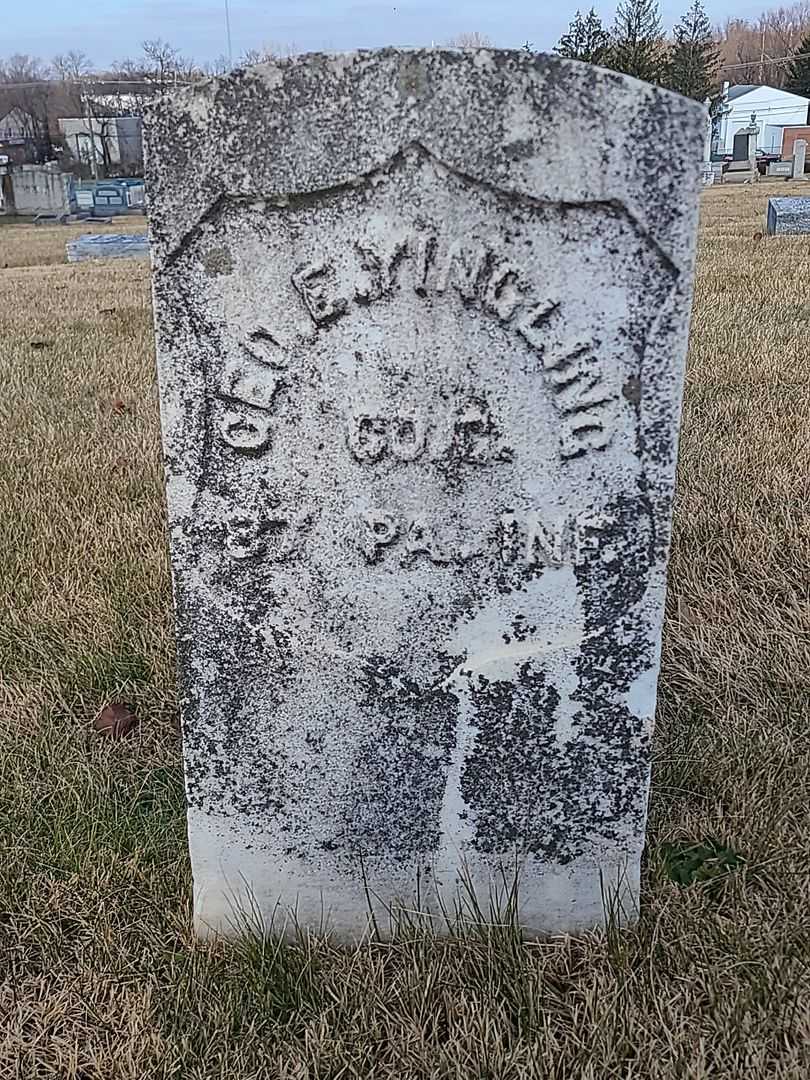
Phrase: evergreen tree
{"type": "Point", "coordinates": [798, 71]}
{"type": "Point", "coordinates": [636, 45]}
{"type": "Point", "coordinates": [694, 58]}
{"type": "Point", "coordinates": [586, 39]}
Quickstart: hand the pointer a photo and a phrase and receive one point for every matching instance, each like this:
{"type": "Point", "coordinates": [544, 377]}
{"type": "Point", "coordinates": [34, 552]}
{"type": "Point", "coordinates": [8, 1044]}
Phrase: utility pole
{"type": "Point", "coordinates": [228, 29]}
{"type": "Point", "coordinates": [762, 59]}
{"type": "Point", "coordinates": [89, 121]}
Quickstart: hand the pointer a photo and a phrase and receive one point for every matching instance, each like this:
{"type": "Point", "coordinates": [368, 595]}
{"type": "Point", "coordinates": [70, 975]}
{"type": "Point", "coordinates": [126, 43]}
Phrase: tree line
{"type": "Point", "coordinates": [750, 49]}
{"type": "Point", "coordinates": [689, 62]}
{"type": "Point", "coordinates": [775, 49]}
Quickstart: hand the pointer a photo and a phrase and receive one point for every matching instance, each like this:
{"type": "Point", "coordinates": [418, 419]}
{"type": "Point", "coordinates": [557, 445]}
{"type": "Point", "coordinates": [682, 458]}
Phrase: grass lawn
{"type": "Point", "coordinates": [100, 978]}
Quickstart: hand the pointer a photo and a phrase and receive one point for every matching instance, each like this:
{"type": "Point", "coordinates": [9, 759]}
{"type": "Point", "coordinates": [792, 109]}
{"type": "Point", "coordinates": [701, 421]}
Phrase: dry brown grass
{"type": "Point", "coordinates": [99, 977]}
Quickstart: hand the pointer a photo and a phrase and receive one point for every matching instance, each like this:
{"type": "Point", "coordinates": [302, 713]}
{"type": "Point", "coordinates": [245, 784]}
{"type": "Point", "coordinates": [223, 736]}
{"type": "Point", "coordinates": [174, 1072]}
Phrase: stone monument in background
{"type": "Point", "coordinates": [421, 322]}
{"type": "Point", "coordinates": [742, 169]}
{"type": "Point", "coordinates": [799, 155]}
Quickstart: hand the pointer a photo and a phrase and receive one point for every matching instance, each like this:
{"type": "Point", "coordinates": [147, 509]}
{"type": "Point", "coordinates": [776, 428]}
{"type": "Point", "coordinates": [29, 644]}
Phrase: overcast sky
{"type": "Point", "coordinates": [109, 31]}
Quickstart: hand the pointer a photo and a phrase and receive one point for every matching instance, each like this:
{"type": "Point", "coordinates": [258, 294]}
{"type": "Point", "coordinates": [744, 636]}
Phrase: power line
{"type": "Point", "coordinates": [767, 60]}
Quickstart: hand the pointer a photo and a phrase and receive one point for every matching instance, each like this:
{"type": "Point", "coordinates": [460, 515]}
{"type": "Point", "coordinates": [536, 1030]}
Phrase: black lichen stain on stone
{"type": "Point", "coordinates": [217, 260]}
{"type": "Point", "coordinates": [525, 788]}
{"type": "Point", "coordinates": [612, 580]}
{"type": "Point", "coordinates": [413, 78]}
{"type": "Point", "coordinates": [632, 390]}
{"type": "Point", "coordinates": [231, 766]}
{"type": "Point", "coordinates": [396, 805]}
{"type": "Point", "coordinates": [519, 148]}
{"type": "Point", "coordinates": [513, 780]}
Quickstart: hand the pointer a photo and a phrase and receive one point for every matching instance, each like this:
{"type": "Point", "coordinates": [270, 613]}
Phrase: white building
{"type": "Point", "coordinates": [114, 141]}
{"type": "Point", "coordinates": [775, 110]}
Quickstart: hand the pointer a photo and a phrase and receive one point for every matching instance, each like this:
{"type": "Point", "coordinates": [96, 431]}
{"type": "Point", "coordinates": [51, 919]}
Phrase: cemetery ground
{"type": "Point", "coordinates": [100, 977]}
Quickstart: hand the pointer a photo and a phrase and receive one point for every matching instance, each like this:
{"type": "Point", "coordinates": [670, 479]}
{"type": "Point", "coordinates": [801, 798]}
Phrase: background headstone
{"type": "Point", "coordinates": [420, 364]}
{"type": "Point", "coordinates": [740, 172]}
{"type": "Point", "coordinates": [780, 168]}
{"type": "Point", "coordinates": [740, 146]}
{"type": "Point", "coordinates": [799, 155]}
{"type": "Point", "coordinates": [742, 169]}
{"type": "Point", "coordinates": [788, 216]}
{"type": "Point", "coordinates": [744, 147]}
{"type": "Point", "coordinates": [708, 136]}
{"type": "Point", "coordinates": [707, 174]}
{"type": "Point", "coordinates": [107, 246]}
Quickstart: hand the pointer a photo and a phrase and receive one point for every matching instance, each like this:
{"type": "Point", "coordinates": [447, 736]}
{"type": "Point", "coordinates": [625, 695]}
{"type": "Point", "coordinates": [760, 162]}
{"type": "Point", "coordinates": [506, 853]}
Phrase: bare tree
{"type": "Point", "coordinates": [470, 40]}
{"type": "Point", "coordinates": [25, 90]}
{"type": "Point", "coordinates": [255, 56]}
{"type": "Point", "coordinates": [271, 50]}
{"type": "Point", "coordinates": [72, 66]}
{"type": "Point", "coordinates": [122, 91]}
{"type": "Point", "coordinates": [131, 83]}
{"type": "Point", "coordinates": [784, 27]}
{"type": "Point", "coordinates": [220, 65]}
{"type": "Point", "coordinates": [751, 51]}
{"type": "Point", "coordinates": [21, 68]}
{"type": "Point", "coordinates": [739, 51]}
{"type": "Point", "coordinates": [164, 64]}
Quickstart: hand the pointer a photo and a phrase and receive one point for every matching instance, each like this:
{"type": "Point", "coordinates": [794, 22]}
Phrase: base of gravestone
{"type": "Point", "coordinates": [238, 889]}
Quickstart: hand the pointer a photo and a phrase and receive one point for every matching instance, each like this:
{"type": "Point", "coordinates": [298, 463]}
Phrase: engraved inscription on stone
{"type": "Point", "coordinates": [420, 363]}
{"type": "Point", "coordinates": [526, 539]}
{"type": "Point", "coordinates": [467, 435]}
{"type": "Point", "coordinates": [245, 429]}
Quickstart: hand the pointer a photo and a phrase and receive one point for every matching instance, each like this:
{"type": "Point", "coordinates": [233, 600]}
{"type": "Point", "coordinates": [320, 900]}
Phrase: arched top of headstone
{"type": "Point", "coordinates": [537, 127]}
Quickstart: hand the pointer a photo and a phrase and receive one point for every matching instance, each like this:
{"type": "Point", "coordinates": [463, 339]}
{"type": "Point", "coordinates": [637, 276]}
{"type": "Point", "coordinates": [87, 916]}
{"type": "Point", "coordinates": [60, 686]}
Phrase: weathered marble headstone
{"type": "Point", "coordinates": [707, 174]}
{"type": "Point", "coordinates": [742, 169]}
{"type": "Point", "coordinates": [799, 155]}
{"type": "Point", "coordinates": [107, 246]}
{"type": "Point", "coordinates": [789, 216]}
{"type": "Point", "coordinates": [420, 367]}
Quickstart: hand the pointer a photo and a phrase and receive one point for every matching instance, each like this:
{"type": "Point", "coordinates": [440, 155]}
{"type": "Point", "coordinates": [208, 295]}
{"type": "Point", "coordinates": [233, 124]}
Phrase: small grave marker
{"type": "Point", "coordinates": [788, 216]}
{"type": "Point", "coordinates": [780, 168]}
